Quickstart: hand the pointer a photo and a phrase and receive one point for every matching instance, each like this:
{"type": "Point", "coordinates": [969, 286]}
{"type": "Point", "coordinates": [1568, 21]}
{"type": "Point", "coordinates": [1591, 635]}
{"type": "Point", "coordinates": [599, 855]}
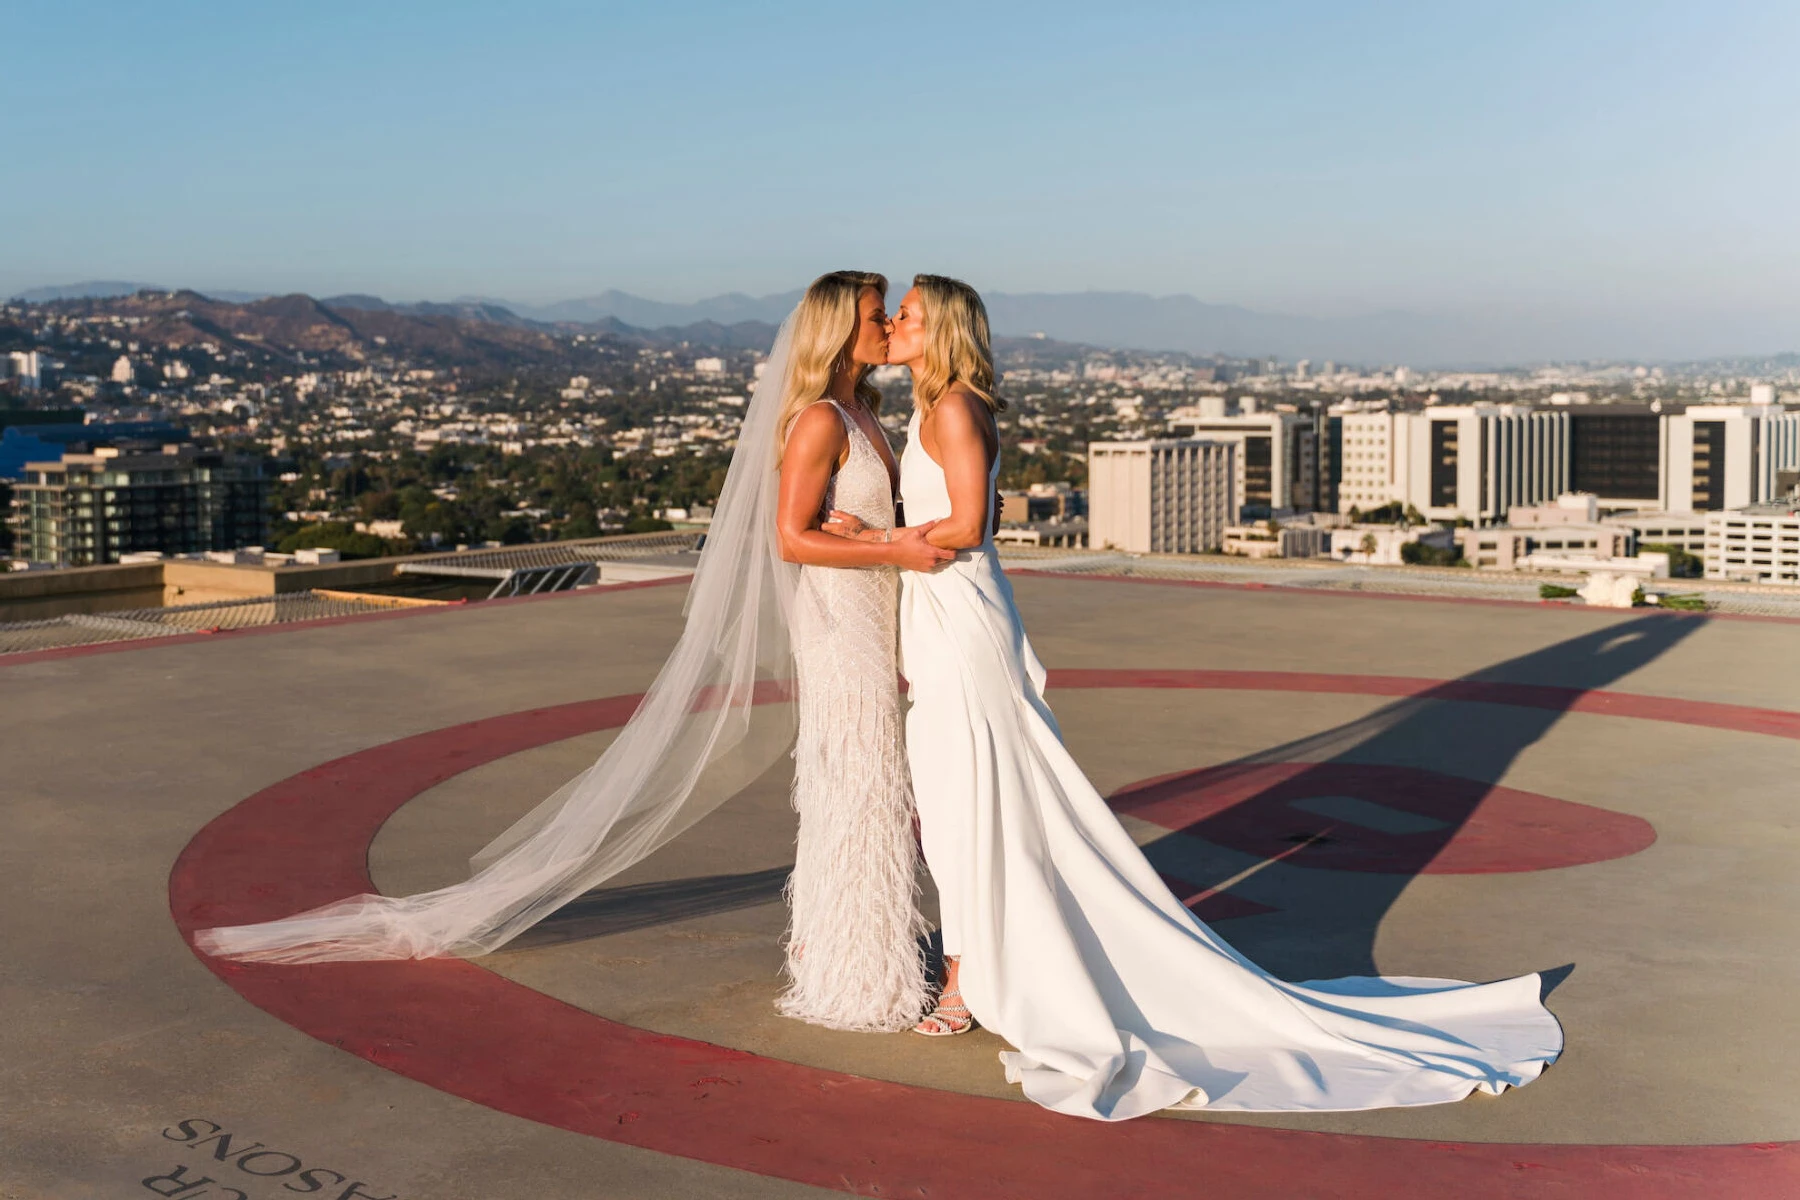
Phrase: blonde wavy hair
{"type": "Point", "coordinates": [823, 329]}
{"type": "Point", "coordinates": [958, 347]}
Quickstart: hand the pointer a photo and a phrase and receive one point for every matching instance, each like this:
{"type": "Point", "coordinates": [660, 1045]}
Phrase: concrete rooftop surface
{"type": "Point", "coordinates": [1424, 786]}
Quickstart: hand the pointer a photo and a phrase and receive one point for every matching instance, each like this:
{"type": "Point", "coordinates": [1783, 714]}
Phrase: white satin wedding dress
{"type": "Point", "coordinates": [1116, 999]}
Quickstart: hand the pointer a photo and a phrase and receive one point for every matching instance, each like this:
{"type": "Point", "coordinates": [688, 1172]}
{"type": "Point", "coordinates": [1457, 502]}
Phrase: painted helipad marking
{"type": "Point", "coordinates": [1384, 819]}
{"type": "Point", "coordinates": [467, 1031]}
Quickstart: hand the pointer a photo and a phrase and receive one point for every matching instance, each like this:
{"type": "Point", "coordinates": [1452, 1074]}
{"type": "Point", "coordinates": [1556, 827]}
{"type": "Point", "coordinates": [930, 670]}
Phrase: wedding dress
{"type": "Point", "coordinates": [1116, 999]}
{"type": "Point", "coordinates": [718, 715]}
{"type": "Point", "coordinates": [853, 949]}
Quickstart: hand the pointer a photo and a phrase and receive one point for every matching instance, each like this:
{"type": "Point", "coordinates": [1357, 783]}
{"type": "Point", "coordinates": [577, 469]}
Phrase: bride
{"type": "Point", "coordinates": [1059, 935]}
{"type": "Point", "coordinates": [775, 602]}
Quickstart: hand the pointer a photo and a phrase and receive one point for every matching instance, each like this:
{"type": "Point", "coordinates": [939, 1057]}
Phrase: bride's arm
{"type": "Point", "coordinates": [959, 421]}
{"type": "Point", "coordinates": [813, 447]}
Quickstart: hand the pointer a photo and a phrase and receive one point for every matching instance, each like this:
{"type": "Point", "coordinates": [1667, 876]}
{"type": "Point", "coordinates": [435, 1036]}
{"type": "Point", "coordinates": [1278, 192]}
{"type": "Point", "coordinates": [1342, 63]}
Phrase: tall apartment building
{"type": "Point", "coordinates": [1276, 465]}
{"type": "Point", "coordinates": [1169, 496]}
{"type": "Point", "coordinates": [1727, 456]}
{"type": "Point", "coordinates": [87, 509]}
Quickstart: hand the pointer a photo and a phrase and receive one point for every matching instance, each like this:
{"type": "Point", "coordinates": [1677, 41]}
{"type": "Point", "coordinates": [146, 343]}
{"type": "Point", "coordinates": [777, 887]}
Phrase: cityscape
{"type": "Point", "coordinates": [163, 425]}
{"type": "Point", "coordinates": [1346, 750]}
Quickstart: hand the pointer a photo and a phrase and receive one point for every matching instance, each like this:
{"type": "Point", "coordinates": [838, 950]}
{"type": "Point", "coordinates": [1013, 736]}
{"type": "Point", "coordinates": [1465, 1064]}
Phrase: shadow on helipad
{"type": "Point", "coordinates": [1320, 930]}
{"type": "Point", "coordinates": [1503, 821]}
{"type": "Point", "coordinates": [607, 911]}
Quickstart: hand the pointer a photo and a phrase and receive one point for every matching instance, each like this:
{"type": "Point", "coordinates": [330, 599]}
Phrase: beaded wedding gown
{"type": "Point", "coordinates": [853, 950]}
{"type": "Point", "coordinates": [1116, 999]}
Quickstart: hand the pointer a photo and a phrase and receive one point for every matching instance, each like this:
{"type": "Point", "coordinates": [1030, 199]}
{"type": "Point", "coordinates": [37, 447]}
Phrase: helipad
{"type": "Point", "coordinates": [1342, 782]}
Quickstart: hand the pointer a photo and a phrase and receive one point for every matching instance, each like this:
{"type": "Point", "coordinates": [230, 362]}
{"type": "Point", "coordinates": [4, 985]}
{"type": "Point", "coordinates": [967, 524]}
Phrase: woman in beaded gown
{"type": "Point", "coordinates": [853, 954]}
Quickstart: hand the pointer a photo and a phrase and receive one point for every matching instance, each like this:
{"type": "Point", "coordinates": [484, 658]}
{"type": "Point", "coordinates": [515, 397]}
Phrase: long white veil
{"type": "Point", "coordinates": [717, 716]}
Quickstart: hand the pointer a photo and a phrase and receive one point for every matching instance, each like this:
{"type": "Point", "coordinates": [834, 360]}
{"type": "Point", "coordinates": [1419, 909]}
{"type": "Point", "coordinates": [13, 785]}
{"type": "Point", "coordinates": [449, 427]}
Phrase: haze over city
{"type": "Point", "coordinates": [1426, 183]}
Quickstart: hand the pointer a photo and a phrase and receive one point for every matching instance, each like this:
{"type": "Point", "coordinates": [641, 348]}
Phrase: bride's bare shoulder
{"type": "Point", "coordinates": [961, 406]}
{"type": "Point", "coordinates": [818, 425]}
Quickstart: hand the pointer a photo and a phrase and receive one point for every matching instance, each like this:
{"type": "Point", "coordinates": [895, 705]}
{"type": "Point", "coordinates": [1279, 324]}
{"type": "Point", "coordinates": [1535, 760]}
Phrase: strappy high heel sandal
{"type": "Point", "coordinates": [946, 1020]}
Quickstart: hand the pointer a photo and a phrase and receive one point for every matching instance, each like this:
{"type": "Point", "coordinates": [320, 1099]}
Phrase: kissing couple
{"type": "Point", "coordinates": [1059, 936]}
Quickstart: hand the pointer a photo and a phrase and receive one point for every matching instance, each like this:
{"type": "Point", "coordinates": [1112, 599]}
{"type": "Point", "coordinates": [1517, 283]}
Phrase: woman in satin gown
{"type": "Point", "coordinates": [1061, 937]}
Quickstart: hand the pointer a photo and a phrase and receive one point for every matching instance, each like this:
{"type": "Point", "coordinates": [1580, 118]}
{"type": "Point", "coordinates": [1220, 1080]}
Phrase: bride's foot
{"type": "Point", "coordinates": [949, 1018]}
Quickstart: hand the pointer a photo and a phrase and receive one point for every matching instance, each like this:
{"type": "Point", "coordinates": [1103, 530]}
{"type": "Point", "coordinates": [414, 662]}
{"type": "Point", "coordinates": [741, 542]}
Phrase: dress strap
{"type": "Point", "coordinates": [850, 425]}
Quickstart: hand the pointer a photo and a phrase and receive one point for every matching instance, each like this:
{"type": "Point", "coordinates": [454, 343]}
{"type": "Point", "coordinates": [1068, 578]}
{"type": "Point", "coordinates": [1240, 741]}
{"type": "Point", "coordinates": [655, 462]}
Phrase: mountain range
{"type": "Point", "coordinates": [1124, 320]}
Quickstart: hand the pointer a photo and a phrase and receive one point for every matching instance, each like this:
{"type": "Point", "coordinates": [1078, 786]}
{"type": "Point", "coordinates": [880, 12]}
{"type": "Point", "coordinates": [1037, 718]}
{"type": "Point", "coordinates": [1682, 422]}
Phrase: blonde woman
{"type": "Point", "coordinates": [1116, 999]}
{"type": "Point", "coordinates": [774, 602]}
{"type": "Point", "coordinates": [853, 952]}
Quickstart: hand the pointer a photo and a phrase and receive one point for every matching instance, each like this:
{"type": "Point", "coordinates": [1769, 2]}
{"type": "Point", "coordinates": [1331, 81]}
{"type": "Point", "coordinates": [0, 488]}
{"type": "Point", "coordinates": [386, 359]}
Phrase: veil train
{"type": "Point", "coordinates": [716, 717]}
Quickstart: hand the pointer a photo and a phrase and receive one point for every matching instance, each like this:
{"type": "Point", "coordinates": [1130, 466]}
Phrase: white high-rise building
{"type": "Point", "coordinates": [1274, 463]}
{"type": "Point", "coordinates": [27, 366]}
{"type": "Point", "coordinates": [1723, 456]}
{"type": "Point", "coordinates": [1172, 496]}
{"type": "Point", "coordinates": [1370, 466]}
{"type": "Point", "coordinates": [122, 371]}
{"type": "Point", "coordinates": [1477, 461]}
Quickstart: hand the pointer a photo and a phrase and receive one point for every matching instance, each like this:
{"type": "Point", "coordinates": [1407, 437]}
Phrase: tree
{"type": "Point", "coordinates": [583, 522]}
{"type": "Point", "coordinates": [1682, 564]}
{"type": "Point", "coordinates": [1369, 545]}
{"type": "Point", "coordinates": [1425, 555]}
{"type": "Point", "coordinates": [508, 531]}
{"type": "Point", "coordinates": [328, 535]}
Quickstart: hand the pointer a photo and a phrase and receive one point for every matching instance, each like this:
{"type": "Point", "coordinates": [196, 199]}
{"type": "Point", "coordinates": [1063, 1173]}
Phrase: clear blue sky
{"type": "Point", "coordinates": [1633, 159]}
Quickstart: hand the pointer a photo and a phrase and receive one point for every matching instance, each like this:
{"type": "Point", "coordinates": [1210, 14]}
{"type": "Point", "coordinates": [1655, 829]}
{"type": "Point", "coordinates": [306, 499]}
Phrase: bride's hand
{"type": "Point", "coordinates": [845, 525]}
{"type": "Point", "coordinates": [913, 553]}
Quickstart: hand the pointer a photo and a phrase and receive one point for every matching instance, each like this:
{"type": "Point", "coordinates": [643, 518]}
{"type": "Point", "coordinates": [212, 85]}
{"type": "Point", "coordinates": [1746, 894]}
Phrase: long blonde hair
{"type": "Point", "coordinates": [958, 347]}
{"type": "Point", "coordinates": [823, 329]}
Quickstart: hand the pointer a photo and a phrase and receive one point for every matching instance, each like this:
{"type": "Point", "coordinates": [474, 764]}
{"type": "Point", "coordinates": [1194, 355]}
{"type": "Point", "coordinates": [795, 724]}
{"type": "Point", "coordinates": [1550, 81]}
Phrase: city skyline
{"type": "Point", "coordinates": [1602, 171]}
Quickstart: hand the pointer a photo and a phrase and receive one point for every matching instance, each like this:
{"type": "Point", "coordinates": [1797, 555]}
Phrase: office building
{"type": "Point", "coordinates": [1682, 530]}
{"type": "Point", "coordinates": [1616, 455]}
{"type": "Point", "coordinates": [1475, 462]}
{"type": "Point", "coordinates": [1275, 463]}
{"type": "Point", "coordinates": [1285, 541]}
{"type": "Point", "coordinates": [1544, 546]}
{"type": "Point", "coordinates": [1758, 544]}
{"type": "Point", "coordinates": [1368, 465]}
{"type": "Point", "coordinates": [88, 509]}
{"type": "Point", "coordinates": [1172, 496]}
{"type": "Point", "coordinates": [1724, 456]}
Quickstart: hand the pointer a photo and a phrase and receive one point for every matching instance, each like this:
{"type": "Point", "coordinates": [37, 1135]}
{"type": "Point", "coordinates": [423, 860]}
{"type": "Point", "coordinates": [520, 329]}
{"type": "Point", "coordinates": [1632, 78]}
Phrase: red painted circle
{"type": "Point", "coordinates": [452, 1025]}
{"type": "Point", "coordinates": [1384, 819]}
